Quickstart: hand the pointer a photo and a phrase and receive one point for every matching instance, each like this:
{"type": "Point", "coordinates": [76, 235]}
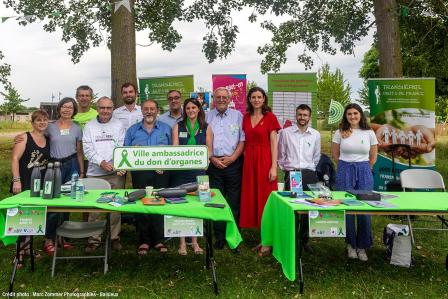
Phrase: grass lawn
{"type": "Point", "coordinates": [328, 272]}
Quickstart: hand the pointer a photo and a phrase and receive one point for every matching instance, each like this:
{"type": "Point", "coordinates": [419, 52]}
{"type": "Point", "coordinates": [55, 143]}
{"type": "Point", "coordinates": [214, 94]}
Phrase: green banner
{"type": "Point", "coordinates": [289, 90]}
{"type": "Point", "coordinates": [26, 221]}
{"type": "Point", "coordinates": [161, 157]}
{"type": "Point", "coordinates": [183, 227]}
{"type": "Point", "coordinates": [156, 88]}
{"type": "Point", "coordinates": [326, 224]}
{"type": "Point", "coordinates": [403, 118]}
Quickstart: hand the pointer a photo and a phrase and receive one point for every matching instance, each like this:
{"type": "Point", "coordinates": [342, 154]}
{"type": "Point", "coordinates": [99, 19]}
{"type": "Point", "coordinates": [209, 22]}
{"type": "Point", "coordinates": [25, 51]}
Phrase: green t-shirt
{"type": "Point", "coordinates": [85, 117]}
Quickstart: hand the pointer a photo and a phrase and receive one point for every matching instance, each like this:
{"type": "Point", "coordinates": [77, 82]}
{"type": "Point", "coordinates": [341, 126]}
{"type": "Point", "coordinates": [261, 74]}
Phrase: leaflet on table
{"type": "Point", "coordinates": [295, 179]}
{"type": "Point", "coordinates": [303, 201]}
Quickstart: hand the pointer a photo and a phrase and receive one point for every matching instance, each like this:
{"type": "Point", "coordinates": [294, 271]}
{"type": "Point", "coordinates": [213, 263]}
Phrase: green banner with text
{"type": "Point", "coordinates": [403, 117]}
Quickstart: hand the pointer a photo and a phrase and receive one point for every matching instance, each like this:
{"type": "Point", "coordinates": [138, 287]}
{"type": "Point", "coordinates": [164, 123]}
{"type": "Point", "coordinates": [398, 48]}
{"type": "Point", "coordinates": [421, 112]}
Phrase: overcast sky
{"type": "Point", "coordinates": [41, 65]}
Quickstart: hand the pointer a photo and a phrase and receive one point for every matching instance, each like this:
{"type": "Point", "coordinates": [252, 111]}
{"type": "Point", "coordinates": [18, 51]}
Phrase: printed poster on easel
{"type": "Point", "coordinates": [403, 117]}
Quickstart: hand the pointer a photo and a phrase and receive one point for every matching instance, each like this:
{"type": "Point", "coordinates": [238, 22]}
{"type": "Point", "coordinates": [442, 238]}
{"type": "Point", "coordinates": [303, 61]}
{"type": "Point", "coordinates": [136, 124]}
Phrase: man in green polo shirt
{"type": "Point", "coordinates": [85, 112]}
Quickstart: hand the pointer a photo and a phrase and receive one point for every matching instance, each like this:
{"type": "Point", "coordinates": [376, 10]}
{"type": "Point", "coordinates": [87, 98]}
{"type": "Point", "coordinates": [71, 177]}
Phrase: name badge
{"type": "Point", "coordinates": [183, 134]}
{"type": "Point", "coordinates": [65, 132]}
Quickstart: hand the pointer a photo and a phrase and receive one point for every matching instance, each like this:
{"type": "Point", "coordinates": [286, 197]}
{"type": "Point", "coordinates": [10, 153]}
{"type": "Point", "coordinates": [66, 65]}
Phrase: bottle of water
{"type": "Point", "coordinates": [79, 190]}
{"type": "Point", "coordinates": [35, 180]}
{"type": "Point", "coordinates": [73, 182]}
{"type": "Point", "coordinates": [57, 180]}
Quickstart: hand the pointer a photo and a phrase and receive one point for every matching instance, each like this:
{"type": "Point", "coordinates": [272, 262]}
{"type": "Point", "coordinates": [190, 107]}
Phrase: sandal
{"type": "Point", "coordinates": [197, 249]}
{"type": "Point", "coordinates": [49, 249]}
{"type": "Point", "coordinates": [182, 250]}
{"type": "Point", "coordinates": [143, 249]}
{"type": "Point", "coordinates": [161, 248]}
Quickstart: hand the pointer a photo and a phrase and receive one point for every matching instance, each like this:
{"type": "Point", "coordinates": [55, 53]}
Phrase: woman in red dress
{"type": "Point", "coordinates": [260, 127]}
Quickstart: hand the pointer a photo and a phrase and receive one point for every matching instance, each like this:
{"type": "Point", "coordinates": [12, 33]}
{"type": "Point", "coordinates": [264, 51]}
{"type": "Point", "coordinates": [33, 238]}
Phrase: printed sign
{"type": "Point", "coordinates": [327, 224]}
{"type": "Point", "coordinates": [236, 84]}
{"type": "Point", "coordinates": [204, 97]}
{"type": "Point", "coordinates": [26, 221]}
{"type": "Point", "coordinates": [157, 87]}
{"type": "Point", "coordinates": [403, 119]}
{"type": "Point", "coordinates": [289, 90]}
{"type": "Point", "coordinates": [295, 181]}
{"type": "Point", "coordinates": [161, 157]}
{"type": "Point", "coordinates": [183, 227]}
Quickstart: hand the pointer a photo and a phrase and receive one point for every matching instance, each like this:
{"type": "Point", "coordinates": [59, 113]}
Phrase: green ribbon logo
{"type": "Point", "coordinates": [39, 230]}
{"type": "Point", "coordinates": [198, 230]}
{"type": "Point", "coordinates": [124, 159]}
{"type": "Point", "coordinates": [340, 232]}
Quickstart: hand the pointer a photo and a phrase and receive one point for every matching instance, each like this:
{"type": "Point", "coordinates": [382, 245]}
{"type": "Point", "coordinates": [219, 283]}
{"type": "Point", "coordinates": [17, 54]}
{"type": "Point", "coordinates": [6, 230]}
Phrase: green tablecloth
{"type": "Point", "coordinates": [278, 221]}
{"type": "Point", "coordinates": [193, 209]}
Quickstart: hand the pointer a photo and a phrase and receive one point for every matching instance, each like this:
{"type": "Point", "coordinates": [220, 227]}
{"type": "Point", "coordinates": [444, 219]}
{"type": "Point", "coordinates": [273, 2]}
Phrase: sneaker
{"type": "Point", "coordinates": [116, 245]}
{"type": "Point", "coordinates": [362, 255]}
{"type": "Point", "coordinates": [351, 252]}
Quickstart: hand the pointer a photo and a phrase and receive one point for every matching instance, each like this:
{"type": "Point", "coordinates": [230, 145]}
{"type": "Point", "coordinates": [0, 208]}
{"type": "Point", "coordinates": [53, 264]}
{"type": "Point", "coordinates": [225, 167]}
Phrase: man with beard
{"type": "Point", "coordinates": [174, 114]}
{"type": "Point", "coordinates": [101, 135]}
{"type": "Point", "coordinates": [149, 132]}
{"type": "Point", "coordinates": [299, 150]}
{"type": "Point", "coordinates": [130, 113]}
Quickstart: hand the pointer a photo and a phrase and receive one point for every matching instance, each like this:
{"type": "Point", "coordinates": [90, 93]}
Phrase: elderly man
{"type": "Point", "coordinates": [149, 132]}
{"type": "Point", "coordinates": [226, 161]}
{"type": "Point", "coordinates": [299, 150]}
{"type": "Point", "coordinates": [174, 114]}
{"type": "Point", "coordinates": [130, 113]}
{"type": "Point", "coordinates": [101, 136]}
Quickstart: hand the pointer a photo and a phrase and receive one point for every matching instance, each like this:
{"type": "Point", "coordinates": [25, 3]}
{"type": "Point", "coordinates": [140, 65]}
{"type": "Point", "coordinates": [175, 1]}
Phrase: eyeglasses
{"type": "Point", "coordinates": [105, 107]}
{"type": "Point", "coordinates": [221, 97]}
{"type": "Point", "coordinates": [67, 107]}
{"type": "Point", "coordinates": [174, 98]}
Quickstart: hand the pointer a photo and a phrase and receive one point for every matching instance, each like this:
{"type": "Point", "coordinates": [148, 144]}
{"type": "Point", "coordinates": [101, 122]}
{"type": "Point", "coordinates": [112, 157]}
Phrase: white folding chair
{"type": "Point", "coordinates": [81, 230]}
{"type": "Point", "coordinates": [422, 179]}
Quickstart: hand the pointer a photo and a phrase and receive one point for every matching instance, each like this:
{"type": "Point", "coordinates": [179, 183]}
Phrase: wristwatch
{"type": "Point", "coordinates": [16, 179]}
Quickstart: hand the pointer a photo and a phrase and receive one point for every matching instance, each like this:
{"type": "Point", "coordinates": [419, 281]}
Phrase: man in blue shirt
{"type": "Point", "coordinates": [149, 132]}
{"type": "Point", "coordinates": [174, 114]}
{"type": "Point", "coordinates": [226, 161]}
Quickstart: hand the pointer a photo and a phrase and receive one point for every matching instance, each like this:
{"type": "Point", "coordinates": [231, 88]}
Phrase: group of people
{"type": "Point", "coordinates": [244, 152]}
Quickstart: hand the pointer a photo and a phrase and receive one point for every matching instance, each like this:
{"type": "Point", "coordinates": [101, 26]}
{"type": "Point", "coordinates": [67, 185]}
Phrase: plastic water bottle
{"type": "Point", "coordinates": [49, 182]}
{"type": "Point", "coordinates": [73, 182]}
{"type": "Point", "coordinates": [35, 180]}
{"type": "Point", "coordinates": [57, 180]}
{"type": "Point", "coordinates": [80, 190]}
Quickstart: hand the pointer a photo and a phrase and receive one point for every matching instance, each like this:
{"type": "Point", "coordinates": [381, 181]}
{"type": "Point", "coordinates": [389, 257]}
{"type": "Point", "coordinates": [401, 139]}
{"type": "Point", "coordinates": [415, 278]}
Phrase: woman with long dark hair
{"type": "Point", "coordinates": [260, 127]}
{"type": "Point", "coordinates": [354, 148]}
{"type": "Point", "coordinates": [191, 130]}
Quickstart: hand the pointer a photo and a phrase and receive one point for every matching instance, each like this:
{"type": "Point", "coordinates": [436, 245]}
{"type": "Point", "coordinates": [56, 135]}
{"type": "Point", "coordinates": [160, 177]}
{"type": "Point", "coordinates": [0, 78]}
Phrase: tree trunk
{"type": "Point", "coordinates": [123, 61]}
{"type": "Point", "coordinates": [388, 32]}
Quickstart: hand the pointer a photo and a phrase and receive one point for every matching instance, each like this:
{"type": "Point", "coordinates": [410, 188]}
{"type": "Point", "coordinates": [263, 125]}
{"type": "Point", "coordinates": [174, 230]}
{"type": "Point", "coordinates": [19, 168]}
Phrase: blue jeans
{"type": "Point", "coordinates": [358, 176]}
{"type": "Point", "coordinates": [67, 169]}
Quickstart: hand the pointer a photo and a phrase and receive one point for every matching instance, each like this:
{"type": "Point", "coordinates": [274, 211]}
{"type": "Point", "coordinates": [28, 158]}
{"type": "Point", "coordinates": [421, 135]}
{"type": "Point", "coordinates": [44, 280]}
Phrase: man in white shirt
{"type": "Point", "coordinates": [101, 135]}
{"type": "Point", "coordinates": [130, 113]}
{"type": "Point", "coordinates": [174, 114]}
{"type": "Point", "coordinates": [299, 150]}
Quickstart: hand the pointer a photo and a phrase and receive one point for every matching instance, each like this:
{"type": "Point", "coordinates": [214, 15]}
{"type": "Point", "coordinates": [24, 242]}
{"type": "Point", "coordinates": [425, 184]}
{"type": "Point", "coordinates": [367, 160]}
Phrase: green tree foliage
{"type": "Point", "coordinates": [331, 86]}
{"type": "Point", "coordinates": [12, 102]}
{"type": "Point", "coordinates": [424, 36]}
{"type": "Point", "coordinates": [250, 84]}
{"type": "Point", "coordinates": [5, 72]}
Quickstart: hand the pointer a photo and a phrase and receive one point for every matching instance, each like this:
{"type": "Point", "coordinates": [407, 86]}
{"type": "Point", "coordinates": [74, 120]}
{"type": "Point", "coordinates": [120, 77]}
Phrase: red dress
{"type": "Point", "coordinates": [256, 187]}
